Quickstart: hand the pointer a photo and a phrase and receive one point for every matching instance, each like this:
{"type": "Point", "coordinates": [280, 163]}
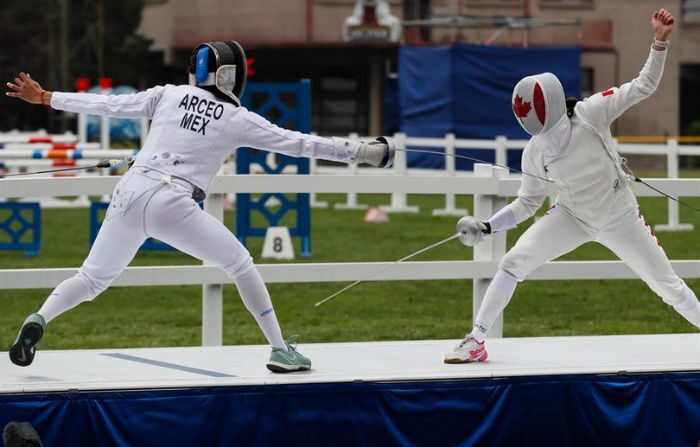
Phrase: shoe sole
{"type": "Point", "coordinates": [22, 352]}
{"type": "Point", "coordinates": [481, 358]}
{"type": "Point", "coordinates": [282, 368]}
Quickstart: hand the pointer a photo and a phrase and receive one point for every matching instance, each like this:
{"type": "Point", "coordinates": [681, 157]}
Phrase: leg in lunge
{"type": "Point", "coordinates": [284, 356]}
{"type": "Point", "coordinates": [498, 294]}
{"type": "Point", "coordinates": [634, 243]}
{"type": "Point", "coordinates": [553, 235]}
{"type": "Point", "coordinates": [204, 237]}
{"type": "Point", "coordinates": [115, 246]}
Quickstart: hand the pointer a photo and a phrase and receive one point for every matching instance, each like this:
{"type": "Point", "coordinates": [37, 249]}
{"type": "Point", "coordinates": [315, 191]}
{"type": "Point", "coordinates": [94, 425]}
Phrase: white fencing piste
{"type": "Point", "coordinates": [490, 193]}
{"type": "Point", "coordinates": [188, 367]}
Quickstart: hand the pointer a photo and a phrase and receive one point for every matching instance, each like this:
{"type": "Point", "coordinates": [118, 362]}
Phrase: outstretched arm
{"type": "Point", "coordinates": [605, 107]}
{"type": "Point", "coordinates": [136, 105]}
{"type": "Point", "coordinates": [259, 133]}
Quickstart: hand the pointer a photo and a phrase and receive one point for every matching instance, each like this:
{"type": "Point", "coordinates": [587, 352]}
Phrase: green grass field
{"type": "Point", "coordinates": [171, 316]}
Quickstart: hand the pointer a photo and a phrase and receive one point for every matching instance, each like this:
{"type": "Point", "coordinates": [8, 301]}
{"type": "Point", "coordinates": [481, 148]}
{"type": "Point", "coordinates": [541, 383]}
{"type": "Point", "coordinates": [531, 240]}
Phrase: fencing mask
{"type": "Point", "coordinates": [539, 102]}
{"type": "Point", "coordinates": [221, 66]}
{"type": "Point", "coordinates": [539, 105]}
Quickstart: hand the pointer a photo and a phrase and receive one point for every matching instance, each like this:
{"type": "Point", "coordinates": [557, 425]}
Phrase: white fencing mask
{"type": "Point", "coordinates": [539, 106]}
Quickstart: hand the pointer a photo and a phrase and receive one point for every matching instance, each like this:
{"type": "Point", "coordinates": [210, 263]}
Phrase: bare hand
{"type": "Point", "coordinates": [663, 22]}
{"type": "Point", "coordinates": [25, 88]}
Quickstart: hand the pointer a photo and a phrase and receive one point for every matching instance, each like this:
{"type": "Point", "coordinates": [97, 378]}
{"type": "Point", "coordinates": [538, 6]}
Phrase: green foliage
{"type": "Point", "coordinates": [693, 128]}
{"type": "Point", "coordinates": [396, 310]}
{"type": "Point", "coordinates": [32, 42]}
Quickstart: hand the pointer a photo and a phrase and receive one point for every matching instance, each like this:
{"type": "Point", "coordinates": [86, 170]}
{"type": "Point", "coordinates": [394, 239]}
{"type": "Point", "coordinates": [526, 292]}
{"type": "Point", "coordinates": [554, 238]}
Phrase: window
{"type": "Point", "coordinates": [566, 3]}
{"type": "Point", "coordinates": [504, 3]}
{"type": "Point", "coordinates": [691, 11]}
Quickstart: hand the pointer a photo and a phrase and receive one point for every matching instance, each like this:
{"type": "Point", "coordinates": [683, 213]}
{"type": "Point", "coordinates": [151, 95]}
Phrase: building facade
{"type": "Point", "coordinates": [294, 39]}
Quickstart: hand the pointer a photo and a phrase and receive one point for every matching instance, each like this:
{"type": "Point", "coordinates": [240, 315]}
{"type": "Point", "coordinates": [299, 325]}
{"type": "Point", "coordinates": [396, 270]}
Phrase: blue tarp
{"type": "Point", "coordinates": [466, 90]}
{"type": "Point", "coordinates": [577, 410]}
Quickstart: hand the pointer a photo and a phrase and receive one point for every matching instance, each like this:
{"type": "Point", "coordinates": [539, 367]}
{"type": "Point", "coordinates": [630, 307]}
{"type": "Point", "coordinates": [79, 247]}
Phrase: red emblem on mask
{"type": "Point", "coordinates": [538, 99]}
{"type": "Point", "coordinates": [521, 108]}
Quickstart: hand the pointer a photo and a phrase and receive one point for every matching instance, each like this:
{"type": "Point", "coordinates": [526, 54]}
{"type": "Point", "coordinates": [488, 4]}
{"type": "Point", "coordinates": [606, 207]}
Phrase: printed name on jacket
{"type": "Point", "coordinates": [198, 113]}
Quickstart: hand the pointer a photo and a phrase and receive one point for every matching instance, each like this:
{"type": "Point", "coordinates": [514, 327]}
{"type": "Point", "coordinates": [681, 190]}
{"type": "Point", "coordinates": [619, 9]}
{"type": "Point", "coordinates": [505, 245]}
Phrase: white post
{"type": "Point", "coordinates": [82, 128]}
{"type": "Point", "coordinates": [673, 210]}
{"type": "Point", "coordinates": [451, 170]}
{"type": "Point", "coordinates": [213, 294]}
{"type": "Point", "coordinates": [104, 133]}
{"type": "Point", "coordinates": [144, 131]}
{"type": "Point", "coordinates": [106, 198]}
{"type": "Point", "coordinates": [399, 203]}
{"type": "Point", "coordinates": [313, 170]}
{"type": "Point", "coordinates": [351, 200]}
{"type": "Point", "coordinates": [502, 150]}
{"type": "Point", "coordinates": [105, 142]}
{"type": "Point", "coordinates": [492, 248]}
{"type": "Point", "coordinates": [271, 160]}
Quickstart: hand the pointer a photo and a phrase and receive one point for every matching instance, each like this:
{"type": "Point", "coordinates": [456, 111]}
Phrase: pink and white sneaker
{"type": "Point", "coordinates": [468, 350]}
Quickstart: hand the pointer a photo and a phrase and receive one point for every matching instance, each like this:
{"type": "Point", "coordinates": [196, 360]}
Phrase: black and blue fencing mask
{"type": "Point", "coordinates": [221, 66]}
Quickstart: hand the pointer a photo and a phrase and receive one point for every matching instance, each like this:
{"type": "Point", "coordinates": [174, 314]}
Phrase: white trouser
{"type": "Point", "coordinates": [626, 234]}
{"type": "Point", "coordinates": [147, 204]}
{"type": "Point", "coordinates": [558, 233]}
{"type": "Point", "coordinates": [144, 206]}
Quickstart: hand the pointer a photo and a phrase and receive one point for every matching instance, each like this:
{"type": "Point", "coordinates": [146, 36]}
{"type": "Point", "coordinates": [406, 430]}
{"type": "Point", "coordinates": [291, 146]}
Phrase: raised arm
{"type": "Point", "coordinates": [259, 133]}
{"type": "Point", "coordinates": [605, 107]}
{"type": "Point", "coordinates": [136, 105]}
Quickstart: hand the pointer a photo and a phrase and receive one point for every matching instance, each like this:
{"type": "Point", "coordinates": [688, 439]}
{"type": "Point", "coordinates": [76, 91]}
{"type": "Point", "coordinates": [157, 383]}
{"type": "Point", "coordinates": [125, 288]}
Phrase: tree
{"type": "Point", "coordinates": [58, 41]}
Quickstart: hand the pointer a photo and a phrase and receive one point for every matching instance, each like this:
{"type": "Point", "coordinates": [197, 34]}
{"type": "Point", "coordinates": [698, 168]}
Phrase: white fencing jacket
{"type": "Point", "coordinates": [192, 132]}
{"type": "Point", "coordinates": [587, 172]}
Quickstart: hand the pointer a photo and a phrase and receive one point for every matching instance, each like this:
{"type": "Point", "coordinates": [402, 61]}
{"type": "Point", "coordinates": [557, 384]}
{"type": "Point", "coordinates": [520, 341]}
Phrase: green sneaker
{"type": "Point", "coordinates": [289, 360]}
{"type": "Point", "coordinates": [24, 347]}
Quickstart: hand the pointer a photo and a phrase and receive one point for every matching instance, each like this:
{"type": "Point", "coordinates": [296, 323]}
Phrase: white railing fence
{"type": "Point", "coordinates": [18, 146]}
{"type": "Point", "coordinates": [500, 145]}
{"type": "Point", "coordinates": [490, 187]}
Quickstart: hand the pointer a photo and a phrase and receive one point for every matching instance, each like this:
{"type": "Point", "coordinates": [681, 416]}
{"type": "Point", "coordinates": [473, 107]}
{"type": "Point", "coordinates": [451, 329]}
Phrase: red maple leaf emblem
{"type": "Point", "coordinates": [521, 108]}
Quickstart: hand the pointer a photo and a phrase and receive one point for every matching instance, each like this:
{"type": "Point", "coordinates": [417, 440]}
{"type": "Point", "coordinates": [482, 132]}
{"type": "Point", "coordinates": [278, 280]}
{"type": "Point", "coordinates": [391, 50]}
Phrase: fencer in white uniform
{"type": "Point", "coordinates": [194, 129]}
{"type": "Point", "coordinates": [594, 202]}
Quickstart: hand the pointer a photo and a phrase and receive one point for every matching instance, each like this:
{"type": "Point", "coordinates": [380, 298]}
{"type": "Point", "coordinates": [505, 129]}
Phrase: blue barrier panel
{"type": "Point", "coordinates": [96, 218]}
{"type": "Point", "coordinates": [467, 90]}
{"type": "Point", "coordinates": [296, 117]}
{"type": "Point", "coordinates": [661, 409]}
{"type": "Point", "coordinates": [24, 219]}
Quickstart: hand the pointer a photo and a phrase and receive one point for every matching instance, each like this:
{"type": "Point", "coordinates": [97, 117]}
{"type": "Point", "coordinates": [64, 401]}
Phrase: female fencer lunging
{"type": "Point", "coordinates": [194, 129]}
{"type": "Point", "coordinates": [574, 147]}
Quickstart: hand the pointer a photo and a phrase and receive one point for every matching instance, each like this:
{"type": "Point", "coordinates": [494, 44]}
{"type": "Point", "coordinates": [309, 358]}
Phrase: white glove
{"type": "Point", "coordinates": [378, 153]}
{"type": "Point", "coordinates": [471, 230]}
